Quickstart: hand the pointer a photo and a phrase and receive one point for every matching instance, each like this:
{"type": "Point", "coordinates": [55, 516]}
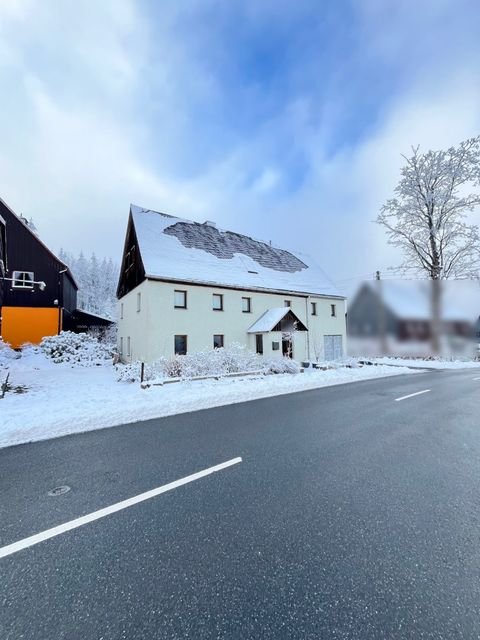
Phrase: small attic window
{"type": "Point", "coordinates": [23, 279]}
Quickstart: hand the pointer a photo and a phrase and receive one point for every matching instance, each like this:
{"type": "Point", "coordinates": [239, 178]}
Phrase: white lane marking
{"type": "Point", "coordinates": [412, 395]}
{"type": "Point", "coordinates": [101, 513]}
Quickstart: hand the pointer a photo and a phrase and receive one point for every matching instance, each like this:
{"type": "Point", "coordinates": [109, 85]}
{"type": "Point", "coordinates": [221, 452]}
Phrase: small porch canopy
{"type": "Point", "coordinates": [277, 319]}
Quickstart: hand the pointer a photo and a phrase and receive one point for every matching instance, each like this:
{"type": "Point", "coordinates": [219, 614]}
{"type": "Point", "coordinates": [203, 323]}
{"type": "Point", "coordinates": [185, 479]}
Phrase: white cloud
{"type": "Point", "coordinates": [101, 111]}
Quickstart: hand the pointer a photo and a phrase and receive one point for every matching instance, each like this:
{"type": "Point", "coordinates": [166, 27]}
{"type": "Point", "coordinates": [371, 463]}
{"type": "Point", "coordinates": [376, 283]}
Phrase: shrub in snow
{"type": "Point", "coordinates": [281, 365]}
{"type": "Point", "coordinates": [81, 349]}
{"type": "Point", "coordinates": [128, 372]}
{"type": "Point", "coordinates": [215, 362]}
{"type": "Point", "coordinates": [7, 354]}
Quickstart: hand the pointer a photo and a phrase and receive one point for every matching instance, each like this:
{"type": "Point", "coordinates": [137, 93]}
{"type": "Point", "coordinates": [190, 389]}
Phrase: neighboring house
{"type": "Point", "coordinates": [401, 311]}
{"type": "Point", "coordinates": [186, 287]}
{"type": "Point", "coordinates": [477, 329]}
{"type": "Point", "coordinates": [39, 291]}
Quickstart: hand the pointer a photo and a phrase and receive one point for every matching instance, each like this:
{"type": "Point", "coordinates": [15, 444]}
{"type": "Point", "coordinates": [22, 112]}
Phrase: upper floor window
{"type": "Point", "coordinates": [180, 299]}
{"type": "Point", "coordinates": [314, 308]}
{"type": "Point", "coordinates": [287, 303]}
{"type": "Point", "coordinates": [218, 341]}
{"type": "Point", "coordinates": [333, 308]}
{"type": "Point", "coordinates": [121, 311]}
{"type": "Point", "coordinates": [23, 279]}
{"type": "Point", "coordinates": [139, 301]}
{"type": "Point", "coordinates": [246, 305]}
{"type": "Point", "coordinates": [217, 302]}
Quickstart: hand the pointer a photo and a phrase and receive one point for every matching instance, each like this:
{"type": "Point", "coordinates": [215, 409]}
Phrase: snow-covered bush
{"type": "Point", "coordinates": [215, 362]}
{"type": "Point", "coordinates": [80, 349]}
{"type": "Point", "coordinates": [7, 354]}
{"type": "Point", "coordinates": [281, 365]}
{"type": "Point", "coordinates": [130, 372]}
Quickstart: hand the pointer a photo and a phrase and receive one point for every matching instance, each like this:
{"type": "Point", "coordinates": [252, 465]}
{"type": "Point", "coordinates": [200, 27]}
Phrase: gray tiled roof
{"type": "Point", "coordinates": [225, 244]}
{"type": "Point", "coordinates": [185, 251]}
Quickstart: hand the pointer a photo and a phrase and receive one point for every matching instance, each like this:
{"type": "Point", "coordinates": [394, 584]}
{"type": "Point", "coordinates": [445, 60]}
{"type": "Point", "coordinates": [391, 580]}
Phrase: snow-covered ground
{"type": "Point", "coordinates": [428, 364]}
{"type": "Point", "coordinates": [62, 399]}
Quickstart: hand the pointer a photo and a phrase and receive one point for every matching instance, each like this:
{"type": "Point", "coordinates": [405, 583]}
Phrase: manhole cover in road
{"type": "Point", "coordinates": [59, 491]}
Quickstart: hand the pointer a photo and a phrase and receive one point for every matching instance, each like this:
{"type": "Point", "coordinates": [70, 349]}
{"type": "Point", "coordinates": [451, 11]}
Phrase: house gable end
{"type": "Point", "coordinates": [132, 271]}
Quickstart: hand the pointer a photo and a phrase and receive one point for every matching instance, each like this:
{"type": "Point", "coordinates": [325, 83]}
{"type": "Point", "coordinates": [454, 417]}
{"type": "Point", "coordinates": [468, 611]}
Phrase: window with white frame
{"type": "Point", "coordinates": [121, 311]}
{"type": "Point", "coordinates": [246, 305]}
{"type": "Point", "coordinates": [121, 346]}
{"type": "Point", "coordinates": [218, 341]}
{"type": "Point", "coordinates": [314, 308]}
{"type": "Point", "coordinates": [129, 350]}
{"type": "Point", "coordinates": [180, 299]}
{"type": "Point", "coordinates": [217, 302]}
{"type": "Point", "coordinates": [333, 311]}
{"type": "Point", "coordinates": [139, 301]}
{"type": "Point", "coordinates": [287, 303]}
{"type": "Point", "coordinates": [23, 279]}
{"type": "Point", "coordinates": [180, 345]}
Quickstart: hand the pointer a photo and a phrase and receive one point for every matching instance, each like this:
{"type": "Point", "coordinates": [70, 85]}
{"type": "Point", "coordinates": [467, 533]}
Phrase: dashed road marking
{"type": "Point", "coordinates": [412, 395]}
{"type": "Point", "coordinates": [118, 506]}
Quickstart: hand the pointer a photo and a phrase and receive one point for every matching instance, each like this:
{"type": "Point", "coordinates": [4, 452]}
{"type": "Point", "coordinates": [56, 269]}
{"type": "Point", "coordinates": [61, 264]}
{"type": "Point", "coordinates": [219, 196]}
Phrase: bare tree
{"type": "Point", "coordinates": [427, 219]}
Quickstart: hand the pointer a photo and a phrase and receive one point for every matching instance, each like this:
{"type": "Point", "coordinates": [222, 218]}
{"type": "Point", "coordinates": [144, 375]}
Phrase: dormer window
{"type": "Point", "coordinates": [23, 279]}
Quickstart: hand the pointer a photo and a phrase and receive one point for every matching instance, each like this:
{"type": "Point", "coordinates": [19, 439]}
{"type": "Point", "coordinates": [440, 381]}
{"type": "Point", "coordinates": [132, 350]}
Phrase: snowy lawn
{"type": "Point", "coordinates": [428, 364]}
{"type": "Point", "coordinates": [62, 399]}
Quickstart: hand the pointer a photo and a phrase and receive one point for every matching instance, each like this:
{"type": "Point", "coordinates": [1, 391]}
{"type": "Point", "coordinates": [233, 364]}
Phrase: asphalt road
{"type": "Point", "coordinates": [351, 515]}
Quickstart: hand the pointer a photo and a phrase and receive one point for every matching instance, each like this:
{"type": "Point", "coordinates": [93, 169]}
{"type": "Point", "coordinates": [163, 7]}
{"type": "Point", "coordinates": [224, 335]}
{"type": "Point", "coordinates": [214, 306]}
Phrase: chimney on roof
{"type": "Point", "coordinates": [210, 223]}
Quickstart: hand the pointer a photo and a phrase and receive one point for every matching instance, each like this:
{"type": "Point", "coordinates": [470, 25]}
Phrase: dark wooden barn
{"type": "Point", "coordinates": [39, 291]}
{"type": "Point", "coordinates": [3, 257]}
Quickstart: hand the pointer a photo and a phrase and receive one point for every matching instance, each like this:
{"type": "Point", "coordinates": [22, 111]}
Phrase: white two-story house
{"type": "Point", "coordinates": [187, 287]}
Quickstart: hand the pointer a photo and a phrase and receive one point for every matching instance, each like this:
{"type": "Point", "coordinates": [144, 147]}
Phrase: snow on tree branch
{"type": "Point", "coordinates": [427, 218]}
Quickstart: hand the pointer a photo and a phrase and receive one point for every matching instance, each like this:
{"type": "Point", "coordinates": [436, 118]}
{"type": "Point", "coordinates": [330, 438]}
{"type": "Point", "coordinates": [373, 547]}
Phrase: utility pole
{"type": "Point", "coordinates": [382, 328]}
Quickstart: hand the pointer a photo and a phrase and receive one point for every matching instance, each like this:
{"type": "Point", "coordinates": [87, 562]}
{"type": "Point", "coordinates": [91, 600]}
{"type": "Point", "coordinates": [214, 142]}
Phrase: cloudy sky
{"type": "Point", "coordinates": [282, 119]}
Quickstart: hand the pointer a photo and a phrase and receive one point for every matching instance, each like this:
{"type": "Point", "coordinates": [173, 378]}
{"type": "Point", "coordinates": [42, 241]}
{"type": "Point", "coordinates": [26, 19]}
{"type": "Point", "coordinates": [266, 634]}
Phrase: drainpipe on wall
{"type": "Point", "coordinates": [308, 329]}
{"type": "Point", "coordinates": [60, 300]}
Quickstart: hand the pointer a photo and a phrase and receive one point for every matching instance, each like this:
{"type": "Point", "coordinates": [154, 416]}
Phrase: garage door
{"type": "Point", "coordinates": [333, 347]}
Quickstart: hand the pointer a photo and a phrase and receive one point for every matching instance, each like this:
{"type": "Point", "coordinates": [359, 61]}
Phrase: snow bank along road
{"type": "Point", "coordinates": [343, 512]}
{"type": "Point", "coordinates": [82, 399]}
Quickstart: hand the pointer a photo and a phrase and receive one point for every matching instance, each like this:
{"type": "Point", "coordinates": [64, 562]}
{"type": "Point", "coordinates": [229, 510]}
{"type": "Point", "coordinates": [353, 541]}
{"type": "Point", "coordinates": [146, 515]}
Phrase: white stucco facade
{"type": "Point", "coordinates": [148, 320]}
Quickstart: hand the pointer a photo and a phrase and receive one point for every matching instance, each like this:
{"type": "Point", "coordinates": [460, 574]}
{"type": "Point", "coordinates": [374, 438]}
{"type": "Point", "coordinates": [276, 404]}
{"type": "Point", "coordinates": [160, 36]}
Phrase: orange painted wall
{"type": "Point", "coordinates": [28, 324]}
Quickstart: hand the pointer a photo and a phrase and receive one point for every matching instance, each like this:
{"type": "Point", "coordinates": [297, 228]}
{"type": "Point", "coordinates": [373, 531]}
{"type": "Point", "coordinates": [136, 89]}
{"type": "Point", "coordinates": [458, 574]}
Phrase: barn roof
{"type": "Point", "coordinates": [181, 250]}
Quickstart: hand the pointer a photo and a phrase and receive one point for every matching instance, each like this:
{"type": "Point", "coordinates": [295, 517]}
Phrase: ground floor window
{"type": "Point", "coordinates": [259, 343]}
{"type": "Point", "coordinates": [129, 352]}
{"type": "Point", "coordinates": [218, 341]}
{"type": "Point", "coordinates": [180, 345]}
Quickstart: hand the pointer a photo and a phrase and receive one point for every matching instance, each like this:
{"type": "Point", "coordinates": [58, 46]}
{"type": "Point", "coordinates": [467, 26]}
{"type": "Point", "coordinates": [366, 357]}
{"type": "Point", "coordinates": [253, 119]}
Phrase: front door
{"type": "Point", "coordinates": [287, 348]}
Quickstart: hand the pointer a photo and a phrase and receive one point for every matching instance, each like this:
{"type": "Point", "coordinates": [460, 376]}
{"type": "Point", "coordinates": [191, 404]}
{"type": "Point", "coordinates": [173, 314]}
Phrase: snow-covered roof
{"type": "Point", "coordinates": [181, 250]}
{"type": "Point", "coordinates": [269, 319]}
{"type": "Point", "coordinates": [94, 315]}
{"type": "Point", "coordinates": [411, 299]}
